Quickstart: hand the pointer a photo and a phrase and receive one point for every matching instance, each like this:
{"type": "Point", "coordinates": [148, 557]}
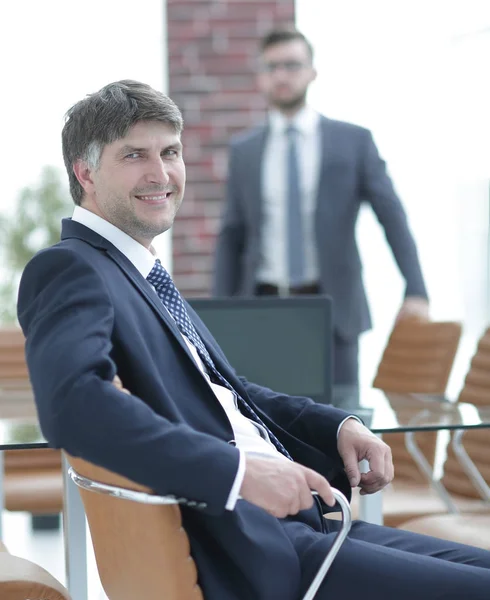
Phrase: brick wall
{"type": "Point", "coordinates": [212, 47]}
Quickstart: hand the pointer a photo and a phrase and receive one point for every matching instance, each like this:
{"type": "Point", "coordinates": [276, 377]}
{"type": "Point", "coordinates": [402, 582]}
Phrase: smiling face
{"type": "Point", "coordinates": [139, 183]}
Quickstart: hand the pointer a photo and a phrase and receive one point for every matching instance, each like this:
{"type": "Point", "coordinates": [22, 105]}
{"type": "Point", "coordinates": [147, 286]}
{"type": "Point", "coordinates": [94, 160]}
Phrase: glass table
{"type": "Point", "coordinates": [397, 413]}
{"type": "Point", "coordinates": [382, 413]}
{"type": "Point", "coordinates": [408, 414]}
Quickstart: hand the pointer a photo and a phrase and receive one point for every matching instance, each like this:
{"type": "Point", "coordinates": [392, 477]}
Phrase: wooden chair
{"type": "Point", "coordinates": [418, 359]}
{"type": "Point", "coordinates": [141, 548]}
{"type": "Point", "coordinates": [33, 479]}
{"type": "Point", "coordinates": [22, 579]}
{"type": "Point", "coordinates": [467, 468]}
{"type": "Point", "coordinates": [476, 390]}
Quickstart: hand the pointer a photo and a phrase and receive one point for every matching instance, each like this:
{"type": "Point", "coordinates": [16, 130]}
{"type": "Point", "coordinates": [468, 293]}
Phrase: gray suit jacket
{"type": "Point", "coordinates": [351, 172]}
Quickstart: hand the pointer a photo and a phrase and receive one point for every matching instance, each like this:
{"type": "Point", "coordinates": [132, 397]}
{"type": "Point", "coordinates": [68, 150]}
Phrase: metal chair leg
{"type": "Point", "coordinates": [469, 466]}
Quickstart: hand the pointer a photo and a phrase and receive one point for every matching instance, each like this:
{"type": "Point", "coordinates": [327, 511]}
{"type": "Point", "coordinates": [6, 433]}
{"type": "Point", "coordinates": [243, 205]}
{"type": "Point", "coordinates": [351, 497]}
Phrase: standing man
{"type": "Point", "coordinates": [295, 186]}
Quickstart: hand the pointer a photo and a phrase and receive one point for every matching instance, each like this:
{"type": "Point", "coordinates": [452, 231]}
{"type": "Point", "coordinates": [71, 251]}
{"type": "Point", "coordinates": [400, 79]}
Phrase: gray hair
{"type": "Point", "coordinates": [106, 116]}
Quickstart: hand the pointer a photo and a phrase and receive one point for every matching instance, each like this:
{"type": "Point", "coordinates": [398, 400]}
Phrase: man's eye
{"type": "Point", "coordinates": [170, 152]}
{"type": "Point", "coordinates": [133, 155]}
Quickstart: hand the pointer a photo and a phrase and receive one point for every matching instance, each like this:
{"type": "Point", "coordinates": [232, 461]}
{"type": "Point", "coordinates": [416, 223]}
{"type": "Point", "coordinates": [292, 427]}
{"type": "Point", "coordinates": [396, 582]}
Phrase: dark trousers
{"type": "Point", "coordinates": [386, 564]}
{"type": "Point", "coordinates": [345, 361]}
{"type": "Point", "coordinates": [345, 351]}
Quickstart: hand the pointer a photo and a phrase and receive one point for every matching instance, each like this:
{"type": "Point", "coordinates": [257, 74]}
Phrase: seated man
{"type": "Point", "coordinates": [99, 305]}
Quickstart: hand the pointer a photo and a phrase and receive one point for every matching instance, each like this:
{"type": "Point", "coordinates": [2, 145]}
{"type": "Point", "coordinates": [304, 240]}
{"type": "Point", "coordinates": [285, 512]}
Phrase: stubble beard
{"type": "Point", "coordinates": [290, 105]}
{"type": "Point", "coordinates": [129, 222]}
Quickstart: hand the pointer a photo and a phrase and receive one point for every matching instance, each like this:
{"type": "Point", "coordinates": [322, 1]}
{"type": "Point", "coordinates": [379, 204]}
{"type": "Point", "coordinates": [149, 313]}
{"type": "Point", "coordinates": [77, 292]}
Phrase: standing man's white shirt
{"type": "Point", "coordinates": [273, 266]}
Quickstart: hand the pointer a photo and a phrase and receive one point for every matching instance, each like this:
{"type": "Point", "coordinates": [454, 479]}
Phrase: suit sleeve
{"type": "Point", "coordinates": [378, 188]}
{"type": "Point", "coordinates": [312, 423]}
{"type": "Point", "coordinates": [67, 316]}
{"type": "Point", "coordinates": [231, 237]}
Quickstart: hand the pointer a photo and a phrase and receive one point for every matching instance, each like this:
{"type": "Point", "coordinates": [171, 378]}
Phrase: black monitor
{"type": "Point", "coordinates": [282, 343]}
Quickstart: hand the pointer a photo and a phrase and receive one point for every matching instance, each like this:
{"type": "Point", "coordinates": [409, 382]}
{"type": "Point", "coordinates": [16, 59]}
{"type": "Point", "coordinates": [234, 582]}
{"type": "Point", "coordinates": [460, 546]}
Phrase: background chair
{"type": "Point", "coordinates": [33, 478]}
{"type": "Point", "coordinates": [22, 579]}
{"type": "Point", "coordinates": [418, 359]}
{"type": "Point", "coordinates": [467, 528]}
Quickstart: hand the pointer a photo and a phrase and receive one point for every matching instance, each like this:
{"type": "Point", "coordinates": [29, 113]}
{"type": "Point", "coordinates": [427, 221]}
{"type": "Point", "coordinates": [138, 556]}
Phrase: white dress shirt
{"type": "Point", "coordinates": [273, 265]}
{"type": "Point", "coordinates": [250, 437]}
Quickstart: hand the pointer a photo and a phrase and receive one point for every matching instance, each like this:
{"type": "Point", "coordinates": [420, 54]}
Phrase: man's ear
{"type": "Point", "coordinates": [84, 175]}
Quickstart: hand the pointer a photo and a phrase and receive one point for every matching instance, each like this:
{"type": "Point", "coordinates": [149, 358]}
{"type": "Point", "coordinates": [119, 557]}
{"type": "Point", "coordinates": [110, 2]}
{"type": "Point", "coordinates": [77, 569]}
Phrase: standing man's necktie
{"type": "Point", "coordinates": [294, 215]}
{"type": "Point", "coordinates": [171, 298]}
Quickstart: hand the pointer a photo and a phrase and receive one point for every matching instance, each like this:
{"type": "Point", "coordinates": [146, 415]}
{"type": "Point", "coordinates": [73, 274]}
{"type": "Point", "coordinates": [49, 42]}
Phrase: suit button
{"type": "Point", "coordinates": [232, 442]}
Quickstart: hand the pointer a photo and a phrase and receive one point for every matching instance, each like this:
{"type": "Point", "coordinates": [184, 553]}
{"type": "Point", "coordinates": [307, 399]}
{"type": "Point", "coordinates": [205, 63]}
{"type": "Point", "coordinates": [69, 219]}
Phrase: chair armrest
{"type": "Point", "coordinates": [334, 550]}
{"type": "Point", "coordinates": [20, 578]}
{"type": "Point", "coordinates": [127, 494]}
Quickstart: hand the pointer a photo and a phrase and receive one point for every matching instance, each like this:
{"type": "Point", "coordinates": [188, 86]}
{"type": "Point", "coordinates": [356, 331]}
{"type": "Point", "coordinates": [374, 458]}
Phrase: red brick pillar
{"type": "Point", "coordinates": [212, 48]}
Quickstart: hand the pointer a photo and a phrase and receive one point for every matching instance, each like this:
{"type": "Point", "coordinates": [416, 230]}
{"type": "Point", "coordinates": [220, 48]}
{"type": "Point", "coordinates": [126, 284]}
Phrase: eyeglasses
{"type": "Point", "coordinates": [290, 66]}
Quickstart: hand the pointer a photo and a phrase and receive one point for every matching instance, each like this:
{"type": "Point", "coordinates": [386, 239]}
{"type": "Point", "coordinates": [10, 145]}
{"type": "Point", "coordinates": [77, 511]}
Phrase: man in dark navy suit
{"type": "Point", "coordinates": [99, 304]}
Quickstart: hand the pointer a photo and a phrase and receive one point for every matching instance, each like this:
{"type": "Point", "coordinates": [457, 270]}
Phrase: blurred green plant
{"type": "Point", "coordinates": [35, 223]}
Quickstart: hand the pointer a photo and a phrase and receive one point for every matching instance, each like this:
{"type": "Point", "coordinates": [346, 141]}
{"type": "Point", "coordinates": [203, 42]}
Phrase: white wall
{"type": "Point", "coordinates": [406, 71]}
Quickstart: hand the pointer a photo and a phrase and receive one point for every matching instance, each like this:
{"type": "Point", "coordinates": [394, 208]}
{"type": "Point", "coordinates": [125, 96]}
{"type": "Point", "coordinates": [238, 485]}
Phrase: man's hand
{"type": "Point", "coordinates": [116, 382]}
{"type": "Point", "coordinates": [282, 487]}
{"type": "Point", "coordinates": [414, 307]}
{"type": "Point", "coordinates": [356, 443]}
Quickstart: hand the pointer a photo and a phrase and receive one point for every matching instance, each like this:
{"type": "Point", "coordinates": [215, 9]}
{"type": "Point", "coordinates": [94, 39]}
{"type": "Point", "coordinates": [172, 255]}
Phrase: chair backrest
{"type": "Point", "coordinates": [418, 359]}
{"type": "Point", "coordinates": [16, 398]}
{"type": "Point", "coordinates": [13, 366]}
{"type": "Point", "coordinates": [476, 390]}
{"type": "Point", "coordinates": [142, 551]}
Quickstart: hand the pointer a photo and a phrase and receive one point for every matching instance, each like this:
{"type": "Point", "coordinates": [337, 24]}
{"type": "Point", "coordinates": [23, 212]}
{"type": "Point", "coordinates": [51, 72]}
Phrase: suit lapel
{"type": "Point", "coordinates": [73, 229]}
{"type": "Point", "coordinates": [325, 159]}
{"type": "Point", "coordinates": [149, 294]}
{"type": "Point", "coordinates": [253, 166]}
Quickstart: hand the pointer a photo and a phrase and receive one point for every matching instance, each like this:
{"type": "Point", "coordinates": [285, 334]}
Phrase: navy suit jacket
{"type": "Point", "coordinates": [87, 314]}
{"type": "Point", "coordinates": [351, 172]}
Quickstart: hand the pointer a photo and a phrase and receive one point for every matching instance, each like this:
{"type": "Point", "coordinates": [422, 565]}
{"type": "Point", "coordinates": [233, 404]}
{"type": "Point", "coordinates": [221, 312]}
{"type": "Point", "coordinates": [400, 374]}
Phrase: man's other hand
{"type": "Point", "coordinates": [116, 382]}
{"type": "Point", "coordinates": [282, 487]}
{"type": "Point", "coordinates": [356, 443]}
{"type": "Point", "coordinates": [414, 307]}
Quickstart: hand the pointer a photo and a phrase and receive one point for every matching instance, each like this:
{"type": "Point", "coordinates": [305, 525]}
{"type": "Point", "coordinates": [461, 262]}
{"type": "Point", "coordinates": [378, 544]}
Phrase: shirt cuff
{"type": "Point", "coordinates": [346, 419]}
{"type": "Point", "coordinates": [237, 484]}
